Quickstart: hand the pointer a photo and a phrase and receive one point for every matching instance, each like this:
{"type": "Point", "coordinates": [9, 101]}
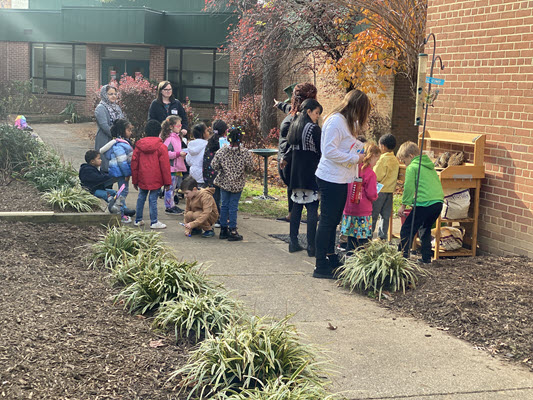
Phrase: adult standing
{"type": "Point", "coordinates": [106, 112]}
{"type": "Point", "coordinates": [166, 105]}
{"type": "Point", "coordinates": [341, 154]}
{"type": "Point", "coordinates": [301, 92]}
{"type": "Point", "coordinates": [304, 139]}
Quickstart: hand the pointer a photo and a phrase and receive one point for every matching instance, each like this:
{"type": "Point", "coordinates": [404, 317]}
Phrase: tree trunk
{"type": "Point", "coordinates": [270, 88]}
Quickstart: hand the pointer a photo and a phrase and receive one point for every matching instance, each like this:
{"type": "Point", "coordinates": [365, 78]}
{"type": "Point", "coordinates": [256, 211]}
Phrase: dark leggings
{"type": "Point", "coordinates": [312, 218]}
{"type": "Point", "coordinates": [425, 217]}
{"type": "Point", "coordinates": [332, 200]}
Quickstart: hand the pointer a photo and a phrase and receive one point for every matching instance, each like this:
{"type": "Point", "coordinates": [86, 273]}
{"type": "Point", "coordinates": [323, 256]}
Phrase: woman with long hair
{"type": "Point", "coordinates": [341, 154]}
{"type": "Point", "coordinates": [106, 113]}
{"type": "Point", "coordinates": [166, 105]}
{"type": "Point", "coordinates": [304, 141]}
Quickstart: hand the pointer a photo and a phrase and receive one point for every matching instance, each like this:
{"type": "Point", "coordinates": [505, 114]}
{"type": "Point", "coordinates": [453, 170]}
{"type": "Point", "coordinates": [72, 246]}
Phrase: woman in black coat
{"type": "Point", "coordinates": [166, 105]}
{"type": "Point", "coordinates": [304, 141]}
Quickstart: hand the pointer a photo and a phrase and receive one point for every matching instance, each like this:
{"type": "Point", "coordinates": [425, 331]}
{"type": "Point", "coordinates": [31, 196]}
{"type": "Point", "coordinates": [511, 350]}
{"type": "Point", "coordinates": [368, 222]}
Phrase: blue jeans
{"type": "Point", "coordinates": [104, 194]}
{"type": "Point", "coordinates": [152, 204]}
{"type": "Point", "coordinates": [229, 204]}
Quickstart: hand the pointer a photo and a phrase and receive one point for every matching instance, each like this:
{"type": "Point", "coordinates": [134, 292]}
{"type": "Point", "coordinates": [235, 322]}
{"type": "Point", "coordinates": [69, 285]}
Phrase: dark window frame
{"type": "Point", "coordinates": [179, 89]}
{"type": "Point", "coordinates": [72, 80]}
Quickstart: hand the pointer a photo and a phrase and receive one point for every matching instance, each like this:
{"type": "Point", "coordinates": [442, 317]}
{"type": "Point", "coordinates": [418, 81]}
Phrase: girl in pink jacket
{"type": "Point", "coordinates": [170, 135]}
{"type": "Point", "coordinates": [357, 216]}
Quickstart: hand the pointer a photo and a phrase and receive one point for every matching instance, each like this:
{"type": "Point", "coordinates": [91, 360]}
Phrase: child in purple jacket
{"type": "Point", "coordinates": [357, 216]}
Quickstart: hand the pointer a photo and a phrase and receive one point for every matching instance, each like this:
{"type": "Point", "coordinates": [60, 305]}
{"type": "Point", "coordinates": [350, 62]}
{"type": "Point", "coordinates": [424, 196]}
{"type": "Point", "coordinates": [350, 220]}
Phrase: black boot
{"type": "Point", "coordinates": [234, 236]}
{"type": "Point", "coordinates": [294, 246]}
{"type": "Point", "coordinates": [224, 233]}
{"type": "Point", "coordinates": [323, 269]}
{"type": "Point", "coordinates": [311, 251]}
{"type": "Point", "coordinates": [334, 261]}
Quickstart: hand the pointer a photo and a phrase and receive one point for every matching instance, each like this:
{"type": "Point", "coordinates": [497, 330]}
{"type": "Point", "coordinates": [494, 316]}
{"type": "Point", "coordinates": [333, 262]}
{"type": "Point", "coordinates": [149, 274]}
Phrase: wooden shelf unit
{"type": "Point", "coordinates": [466, 176]}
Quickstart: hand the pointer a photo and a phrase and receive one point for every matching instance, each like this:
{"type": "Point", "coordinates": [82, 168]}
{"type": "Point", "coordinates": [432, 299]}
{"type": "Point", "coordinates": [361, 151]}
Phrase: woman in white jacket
{"type": "Point", "coordinates": [341, 154]}
{"type": "Point", "coordinates": [195, 155]}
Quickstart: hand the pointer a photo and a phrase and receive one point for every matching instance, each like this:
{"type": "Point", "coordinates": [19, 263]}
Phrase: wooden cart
{"type": "Point", "coordinates": [466, 176]}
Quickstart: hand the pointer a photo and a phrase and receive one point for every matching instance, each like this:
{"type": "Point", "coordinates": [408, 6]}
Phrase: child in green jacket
{"type": "Point", "coordinates": [428, 202]}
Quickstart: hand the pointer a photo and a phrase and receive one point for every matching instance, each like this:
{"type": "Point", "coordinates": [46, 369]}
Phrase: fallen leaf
{"type": "Point", "coordinates": [331, 327]}
{"type": "Point", "coordinates": [157, 343]}
{"type": "Point", "coordinates": [140, 316]}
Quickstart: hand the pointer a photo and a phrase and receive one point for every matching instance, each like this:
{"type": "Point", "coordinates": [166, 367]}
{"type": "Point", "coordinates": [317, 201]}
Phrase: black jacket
{"type": "Point", "coordinates": [92, 178]}
{"type": "Point", "coordinates": [305, 156]}
{"type": "Point", "coordinates": [283, 146]}
{"type": "Point", "coordinates": [157, 111]}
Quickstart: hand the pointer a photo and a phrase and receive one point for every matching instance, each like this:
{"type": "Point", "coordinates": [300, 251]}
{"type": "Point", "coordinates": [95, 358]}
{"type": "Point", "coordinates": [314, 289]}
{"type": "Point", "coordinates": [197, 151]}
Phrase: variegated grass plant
{"type": "Point", "coordinates": [162, 280]}
{"type": "Point", "coordinates": [72, 198]}
{"type": "Point", "coordinates": [282, 390]}
{"type": "Point", "coordinates": [198, 316]}
{"type": "Point", "coordinates": [379, 266]}
{"type": "Point", "coordinates": [122, 242]}
{"type": "Point", "coordinates": [249, 355]}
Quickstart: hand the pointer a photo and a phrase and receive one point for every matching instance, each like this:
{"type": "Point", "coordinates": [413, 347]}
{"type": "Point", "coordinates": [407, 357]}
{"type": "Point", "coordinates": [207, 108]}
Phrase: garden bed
{"type": "Point", "coordinates": [485, 300]}
{"type": "Point", "coordinates": [61, 336]}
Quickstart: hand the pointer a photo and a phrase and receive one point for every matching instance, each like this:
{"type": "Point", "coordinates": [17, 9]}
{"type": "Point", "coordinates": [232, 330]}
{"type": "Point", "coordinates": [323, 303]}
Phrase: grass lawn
{"type": "Point", "coordinates": [263, 208]}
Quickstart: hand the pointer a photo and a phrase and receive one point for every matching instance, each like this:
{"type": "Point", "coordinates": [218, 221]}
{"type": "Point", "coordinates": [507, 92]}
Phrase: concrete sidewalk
{"type": "Point", "coordinates": [377, 354]}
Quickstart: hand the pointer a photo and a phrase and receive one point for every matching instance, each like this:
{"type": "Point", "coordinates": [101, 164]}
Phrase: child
{"type": "Point", "coordinates": [94, 180]}
{"type": "Point", "coordinates": [200, 210]}
{"type": "Point", "coordinates": [118, 152]}
{"type": "Point", "coordinates": [231, 162]}
{"type": "Point", "coordinates": [357, 216]}
{"type": "Point", "coordinates": [428, 201]}
{"type": "Point", "coordinates": [150, 169]}
{"type": "Point", "coordinates": [171, 138]}
{"type": "Point", "coordinates": [195, 156]}
{"type": "Point", "coordinates": [386, 169]}
{"type": "Point", "coordinates": [220, 129]}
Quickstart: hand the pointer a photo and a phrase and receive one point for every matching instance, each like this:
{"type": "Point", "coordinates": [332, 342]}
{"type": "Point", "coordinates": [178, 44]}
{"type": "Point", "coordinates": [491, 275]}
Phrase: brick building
{"type": "Point", "coordinates": [69, 48]}
{"type": "Point", "coordinates": [487, 46]}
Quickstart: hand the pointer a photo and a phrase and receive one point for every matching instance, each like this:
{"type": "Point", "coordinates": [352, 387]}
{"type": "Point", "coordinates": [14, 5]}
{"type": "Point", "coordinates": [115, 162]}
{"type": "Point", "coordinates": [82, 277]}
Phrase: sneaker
{"type": "Point", "coordinates": [158, 225]}
{"type": "Point", "coordinates": [217, 225]}
{"type": "Point", "coordinates": [234, 236]}
{"type": "Point", "coordinates": [224, 233]}
{"type": "Point", "coordinates": [139, 223]}
{"type": "Point", "coordinates": [208, 234]}
{"type": "Point", "coordinates": [174, 210]}
{"type": "Point", "coordinates": [125, 219]}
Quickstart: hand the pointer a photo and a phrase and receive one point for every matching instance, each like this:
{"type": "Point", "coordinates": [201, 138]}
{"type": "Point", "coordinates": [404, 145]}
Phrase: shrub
{"type": "Point", "coordinates": [72, 198]}
{"type": "Point", "coordinates": [163, 280]}
{"type": "Point", "coordinates": [247, 356]}
{"type": "Point", "coordinates": [46, 171]}
{"type": "Point", "coordinates": [124, 271]}
{"type": "Point", "coordinates": [198, 316]}
{"type": "Point", "coordinates": [379, 266]}
{"type": "Point", "coordinates": [121, 243]}
{"type": "Point", "coordinates": [17, 97]}
{"type": "Point", "coordinates": [15, 148]}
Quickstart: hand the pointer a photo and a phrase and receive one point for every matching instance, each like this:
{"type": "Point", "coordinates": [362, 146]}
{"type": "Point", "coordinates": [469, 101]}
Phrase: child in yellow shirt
{"type": "Point", "coordinates": [386, 169]}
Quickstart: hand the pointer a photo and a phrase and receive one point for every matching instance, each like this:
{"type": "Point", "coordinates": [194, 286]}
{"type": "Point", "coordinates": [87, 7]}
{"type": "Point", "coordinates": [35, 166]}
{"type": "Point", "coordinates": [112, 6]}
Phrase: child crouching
{"type": "Point", "coordinates": [200, 209]}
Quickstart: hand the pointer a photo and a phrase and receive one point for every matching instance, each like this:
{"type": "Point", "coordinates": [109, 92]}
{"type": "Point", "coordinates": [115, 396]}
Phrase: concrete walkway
{"type": "Point", "coordinates": [376, 354]}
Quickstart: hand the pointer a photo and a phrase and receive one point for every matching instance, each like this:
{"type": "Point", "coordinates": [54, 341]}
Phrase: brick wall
{"type": "Point", "coordinates": [93, 78]}
{"type": "Point", "coordinates": [403, 111]}
{"type": "Point", "coordinates": [487, 46]}
{"type": "Point", "coordinates": [14, 61]}
{"type": "Point", "coordinates": [157, 63]}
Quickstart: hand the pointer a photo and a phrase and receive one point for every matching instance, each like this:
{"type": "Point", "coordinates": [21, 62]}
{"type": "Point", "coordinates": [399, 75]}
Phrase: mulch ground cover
{"type": "Point", "coordinates": [60, 334]}
{"type": "Point", "coordinates": [485, 300]}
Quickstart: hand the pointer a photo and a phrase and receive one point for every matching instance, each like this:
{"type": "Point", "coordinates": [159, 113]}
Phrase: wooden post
{"type": "Point", "coordinates": [234, 99]}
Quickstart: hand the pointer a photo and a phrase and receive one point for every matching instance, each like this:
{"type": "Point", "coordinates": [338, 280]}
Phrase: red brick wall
{"type": "Point", "coordinates": [487, 46]}
{"type": "Point", "coordinates": [14, 61]}
{"type": "Point", "coordinates": [157, 63]}
{"type": "Point", "coordinates": [93, 78]}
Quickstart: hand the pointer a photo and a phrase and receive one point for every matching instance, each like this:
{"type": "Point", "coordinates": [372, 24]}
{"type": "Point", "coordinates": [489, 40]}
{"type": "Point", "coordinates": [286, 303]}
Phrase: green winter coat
{"type": "Point", "coordinates": [429, 189]}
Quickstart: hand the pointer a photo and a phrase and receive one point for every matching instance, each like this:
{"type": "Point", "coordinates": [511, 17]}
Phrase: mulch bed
{"type": "Point", "coordinates": [20, 196]}
{"type": "Point", "coordinates": [486, 300]}
{"type": "Point", "coordinates": [60, 334]}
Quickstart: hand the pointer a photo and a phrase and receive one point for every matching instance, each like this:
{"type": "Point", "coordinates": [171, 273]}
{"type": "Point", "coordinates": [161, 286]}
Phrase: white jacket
{"type": "Point", "coordinates": [195, 158]}
{"type": "Point", "coordinates": [338, 163]}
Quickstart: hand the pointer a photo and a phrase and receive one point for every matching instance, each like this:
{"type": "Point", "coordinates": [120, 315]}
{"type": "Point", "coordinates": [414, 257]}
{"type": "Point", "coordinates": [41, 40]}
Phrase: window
{"type": "Point", "coordinates": [202, 75]}
{"type": "Point", "coordinates": [58, 68]}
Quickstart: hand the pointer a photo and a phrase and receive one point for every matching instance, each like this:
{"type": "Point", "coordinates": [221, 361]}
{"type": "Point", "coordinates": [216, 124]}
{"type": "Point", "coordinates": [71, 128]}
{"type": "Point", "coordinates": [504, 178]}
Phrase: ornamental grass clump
{"type": "Point", "coordinates": [249, 355]}
{"type": "Point", "coordinates": [72, 198]}
{"type": "Point", "coordinates": [124, 272]}
{"type": "Point", "coordinates": [163, 280]}
{"type": "Point", "coordinates": [121, 242]}
{"type": "Point", "coordinates": [196, 316]}
{"type": "Point", "coordinates": [379, 266]}
{"type": "Point", "coordinates": [46, 172]}
{"type": "Point", "coordinates": [282, 390]}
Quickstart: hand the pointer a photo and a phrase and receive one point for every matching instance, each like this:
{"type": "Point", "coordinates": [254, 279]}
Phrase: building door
{"type": "Point", "coordinates": [109, 66]}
